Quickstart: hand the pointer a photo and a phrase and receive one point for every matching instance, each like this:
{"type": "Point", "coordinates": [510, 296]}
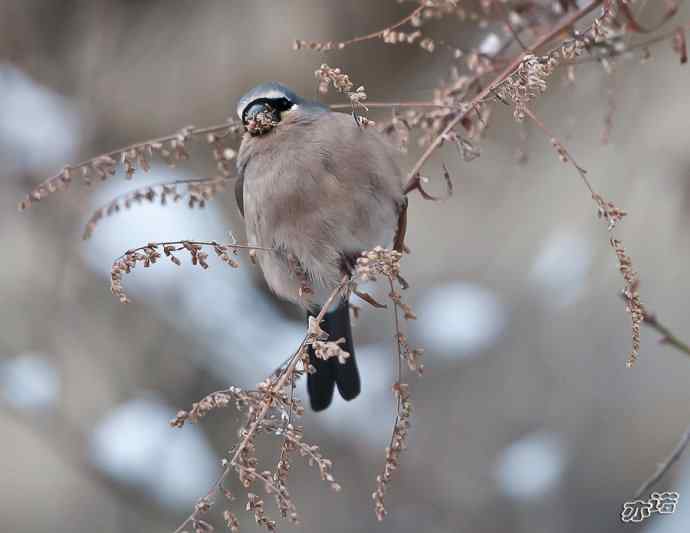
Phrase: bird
{"type": "Point", "coordinates": [318, 189]}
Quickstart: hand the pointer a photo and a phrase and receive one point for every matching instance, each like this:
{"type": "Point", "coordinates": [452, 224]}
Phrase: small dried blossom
{"type": "Point", "coordinates": [300, 44]}
{"type": "Point", "coordinates": [613, 215]}
{"type": "Point", "coordinates": [300, 273]}
{"type": "Point", "coordinates": [399, 128]}
{"type": "Point", "coordinates": [680, 45]}
{"type": "Point", "coordinates": [412, 357]}
{"type": "Point", "coordinates": [398, 37]}
{"type": "Point", "coordinates": [170, 149]}
{"type": "Point", "coordinates": [231, 521]}
{"type": "Point", "coordinates": [527, 82]}
{"type": "Point", "coordinates": [608, 211]}
{"type": "Point", "coordinates": [202, 526]}
{"type": "Point", "coordinates": [378, 262]}
{"type": "Point", "coordinates": [327, 349]}
{"type": "Point", "coordinates": [358, 96]}
{"type": "Point", "coordinates": [261, 123]}
{"type": "Point", "coordinates": [328, 76]}
{"type": "Point", "coordinates": [222, 154]}
{"type": "Point", "coordinates": [255, 505]}
{"type": "Point", "coordinates": [196, 192]}
{"type": "Point", "coordinates": [397, 444]}
{"type": "Point", "coordinates": [282, 469]}
{"type": "Point", "coordinates": [216, 400]}
{"type": "Point", "coordinates": [634, 304]}
{"type": "Point", "coordinates": [149, 255]}
{"type": "Point", "coordinates": [467, 150]}
{"type": "Point", "coordinates": [311, 452]}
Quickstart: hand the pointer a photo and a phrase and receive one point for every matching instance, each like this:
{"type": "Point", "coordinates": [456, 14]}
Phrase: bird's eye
{"type": "Point", "coordinates": [281, 104]}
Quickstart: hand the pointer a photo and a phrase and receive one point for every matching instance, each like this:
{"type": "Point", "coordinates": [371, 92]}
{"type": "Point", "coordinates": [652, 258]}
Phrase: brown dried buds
{"type": "Point", "coordinates": [149, 255]}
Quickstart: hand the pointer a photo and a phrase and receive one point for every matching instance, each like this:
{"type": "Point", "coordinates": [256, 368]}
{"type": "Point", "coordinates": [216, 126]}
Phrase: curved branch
{"type": "Point", "coordinates": [505, 73]}
{"type": "Point", "coordinates": [171, 148]}
{"type": "Point", "coordinates": [199, 191]}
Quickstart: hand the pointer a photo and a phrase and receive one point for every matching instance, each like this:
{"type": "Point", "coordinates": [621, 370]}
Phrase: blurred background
{"type": "Point", "coordinates": [526, 418]}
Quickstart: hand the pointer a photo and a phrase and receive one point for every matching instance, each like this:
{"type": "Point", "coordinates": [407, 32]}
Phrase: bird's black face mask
{"type": "Point", "coordinates": [261, 116]}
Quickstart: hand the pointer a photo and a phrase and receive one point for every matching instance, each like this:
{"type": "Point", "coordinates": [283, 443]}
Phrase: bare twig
{"type": "Point", "coordinates": [665, 465]}
{"type": "Point", "coordinates": [670, 339]}
{"type": "Point", "coordinates": [331, 45]}
{"type": "Point", "coordinates": [667, 336]}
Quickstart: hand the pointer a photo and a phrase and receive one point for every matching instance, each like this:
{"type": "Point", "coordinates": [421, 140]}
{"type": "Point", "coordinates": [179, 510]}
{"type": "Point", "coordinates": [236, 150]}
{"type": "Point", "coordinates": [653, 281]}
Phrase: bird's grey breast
{"type": "Point", "coordinates": [319, 191]}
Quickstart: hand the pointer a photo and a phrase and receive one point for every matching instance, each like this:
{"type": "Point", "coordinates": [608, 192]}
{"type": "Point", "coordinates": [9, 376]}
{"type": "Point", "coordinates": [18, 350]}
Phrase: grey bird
{"type": "Point", "coordinates": [318, 189]}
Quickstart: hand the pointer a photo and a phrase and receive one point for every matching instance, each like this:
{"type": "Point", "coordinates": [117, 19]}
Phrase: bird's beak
{"type": "Point", "coordinates": [254, 110]}
{"type": "Point", "coordinates": [260, 118]}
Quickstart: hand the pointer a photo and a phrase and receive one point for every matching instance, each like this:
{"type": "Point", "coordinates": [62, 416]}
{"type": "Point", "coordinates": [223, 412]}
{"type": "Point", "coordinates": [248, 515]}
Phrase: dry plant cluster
{"type": "Point", "coordinates": [535, 39]}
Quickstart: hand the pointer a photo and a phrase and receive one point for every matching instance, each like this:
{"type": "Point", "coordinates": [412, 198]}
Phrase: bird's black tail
{"type": "Point", "coordinates": [331, 372]}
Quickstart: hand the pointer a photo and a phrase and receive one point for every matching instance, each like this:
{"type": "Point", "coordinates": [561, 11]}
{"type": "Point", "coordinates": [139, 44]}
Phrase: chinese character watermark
{"type": "Point", "coordinates": [659, 502]}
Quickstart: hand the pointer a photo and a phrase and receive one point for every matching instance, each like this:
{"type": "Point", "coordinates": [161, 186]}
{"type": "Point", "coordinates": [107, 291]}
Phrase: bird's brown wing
{"type": "Point", "coordinates": [399, 242]}
{"type": "Point", "coordinates": [239, 193]}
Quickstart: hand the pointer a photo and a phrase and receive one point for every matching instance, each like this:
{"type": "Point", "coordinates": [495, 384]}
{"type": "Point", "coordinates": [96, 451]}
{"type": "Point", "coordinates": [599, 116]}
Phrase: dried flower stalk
{"type": "Point", "coordinates": [265, 409]}
{"type": "Point", "coordinates": [197, 192]}
{"type": "Point", "coordinates": [340, 81]}
{"type": "Point", "coordinates": [149, 255]}
{"type": "Point", "coordinates": [376, 263]}
{"type": "Point", "coordinates": [171, 149]}
{"type": "Point", "coordinates": [612, 215]}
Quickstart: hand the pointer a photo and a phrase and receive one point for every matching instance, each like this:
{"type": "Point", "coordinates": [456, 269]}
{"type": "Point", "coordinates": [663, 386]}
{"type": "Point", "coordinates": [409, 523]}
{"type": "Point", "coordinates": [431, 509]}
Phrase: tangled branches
{"type": "Point", "coordinates": [457, 111]}
{"type": "Point", "coordinates": [171, 149]}
{"type": "Point", "coordinates": [461, 105]}
{"type": "Point", "coordinates": [272, 410]}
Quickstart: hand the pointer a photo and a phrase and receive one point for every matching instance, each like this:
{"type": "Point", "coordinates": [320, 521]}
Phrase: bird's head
{"type": "Point", "coordinates": [263, 108]}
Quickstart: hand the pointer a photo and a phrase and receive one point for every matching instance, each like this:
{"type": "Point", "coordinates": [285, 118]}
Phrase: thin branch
{"type": "Point", "coordinates": [666, 465]}
{"type": "Point", "coordinates": [667, 336]}
{"type": "Point", "coordinates": [562, 150]}
{"type": "Point", "coordinates": [610, 52]}
{"type": "Point", "coordinates": [380, 33]}
{"type": "Point", "coordinates": [505, 73]}
{"type": "Point", "coordinates": [513, 31]}
{"type": "Point", "coordinates": [320, 46]}
{"type": "Point", "coordinates": [385, 105]}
